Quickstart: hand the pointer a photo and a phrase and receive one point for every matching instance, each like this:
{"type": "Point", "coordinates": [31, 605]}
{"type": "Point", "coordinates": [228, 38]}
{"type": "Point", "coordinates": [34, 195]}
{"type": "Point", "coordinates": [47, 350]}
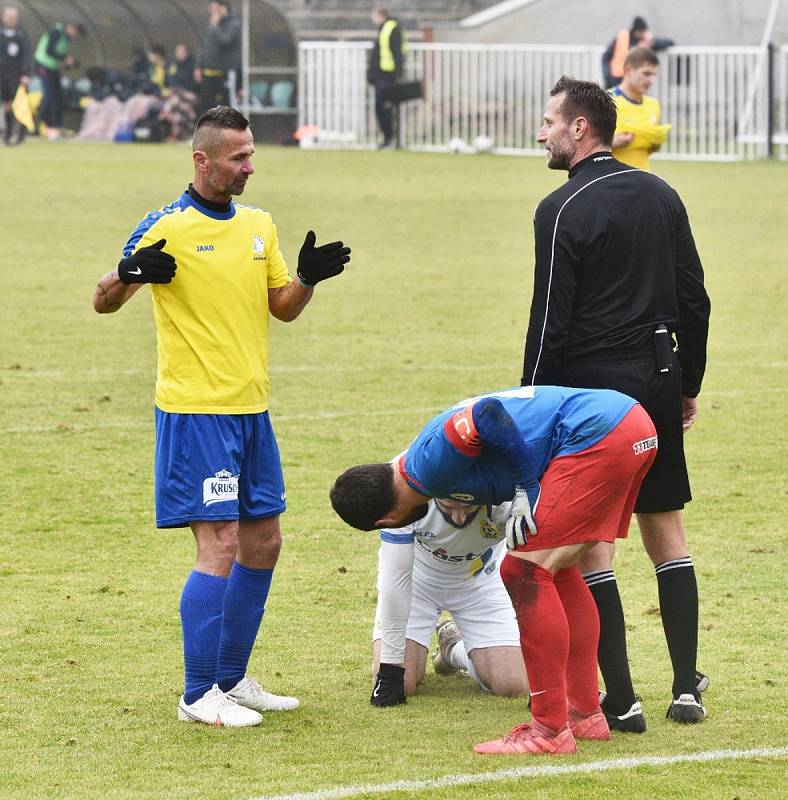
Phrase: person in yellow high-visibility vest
{"type": "Point", "coordinates": [385, 67]}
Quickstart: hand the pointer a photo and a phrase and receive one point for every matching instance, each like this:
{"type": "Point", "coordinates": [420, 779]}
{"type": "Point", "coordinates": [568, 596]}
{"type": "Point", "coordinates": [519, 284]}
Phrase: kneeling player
{"type": "Point", "coordinates": [447, 561]}
{"type": "Point", "coordinates": [571, 461]}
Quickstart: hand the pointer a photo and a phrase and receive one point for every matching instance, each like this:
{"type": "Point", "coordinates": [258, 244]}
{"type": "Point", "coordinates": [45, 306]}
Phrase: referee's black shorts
{"type": "Point", "coordinates": [666, 485]}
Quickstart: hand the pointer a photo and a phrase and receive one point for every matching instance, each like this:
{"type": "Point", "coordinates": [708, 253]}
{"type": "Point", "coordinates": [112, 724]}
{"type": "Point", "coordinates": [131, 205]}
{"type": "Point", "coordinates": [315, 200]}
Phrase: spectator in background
{"type": "Point", "coordinates": [139, 67]}
{"type": "Point", "coordinates": [638, 129]}
{"type": "Point", "coordinates": [15, 67]}
{"type": "Point", "coordinates": [157, 68]}
{"type": "Point", "coordinates": [180, 108]}
{"type": "Point", "coordinates": [220, 59]}
{"type": "Point", "coordinates": [638, 35]}
{"type": "Point", "coordinates": [52, 55]}
{"type": "Point", "coordinates": [180, 71]}
{"type": "Point", "coordinates": [385, 67]}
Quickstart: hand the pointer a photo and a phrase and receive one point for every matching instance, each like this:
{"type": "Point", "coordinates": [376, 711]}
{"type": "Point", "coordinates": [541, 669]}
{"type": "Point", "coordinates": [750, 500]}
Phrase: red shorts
{"type": "Point", "coordinates": [589, 496]}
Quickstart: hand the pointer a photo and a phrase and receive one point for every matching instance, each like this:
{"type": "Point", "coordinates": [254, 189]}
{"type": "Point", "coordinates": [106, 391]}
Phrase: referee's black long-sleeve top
{"type": "Point", "coordinates": [615, 258]}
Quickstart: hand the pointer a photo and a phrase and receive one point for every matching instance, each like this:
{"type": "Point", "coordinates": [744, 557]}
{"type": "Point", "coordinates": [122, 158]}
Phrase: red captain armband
{"type": "Point", "coordinates": [461, 431]}
{"type": "Point", "coordinates": [409, 479]}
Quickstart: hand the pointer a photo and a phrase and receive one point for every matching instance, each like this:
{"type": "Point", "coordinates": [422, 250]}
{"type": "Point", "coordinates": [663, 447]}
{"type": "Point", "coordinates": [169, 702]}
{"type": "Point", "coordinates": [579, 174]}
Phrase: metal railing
{"type": "Point", "coordinates": [715, 97]}
{"type": "Point", "coordinates": [780, 137]}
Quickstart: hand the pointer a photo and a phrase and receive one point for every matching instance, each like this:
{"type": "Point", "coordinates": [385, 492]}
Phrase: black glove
{"type": "Point", "coordinates": [315, 264]}
{"type": "Point", "coordinates": [148, 265]}
{"type": "Point", "coordinates": [389, 686]}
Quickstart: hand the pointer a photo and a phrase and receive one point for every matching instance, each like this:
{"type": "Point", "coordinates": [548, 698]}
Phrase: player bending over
{"type": "Point", "coordinates": [446, 561]}
{"type": "Point", "coordinates": [571, 460]}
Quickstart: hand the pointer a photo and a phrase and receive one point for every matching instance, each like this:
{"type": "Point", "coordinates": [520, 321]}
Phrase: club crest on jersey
{"type": "Point", "coordinates": [645, 444]}
{"type": "Point", "coordinates": [258, 247]}
{"type": "Point", "coordinates": [219, 488]}
{"type": "Point", "coordinates": [488, 529]}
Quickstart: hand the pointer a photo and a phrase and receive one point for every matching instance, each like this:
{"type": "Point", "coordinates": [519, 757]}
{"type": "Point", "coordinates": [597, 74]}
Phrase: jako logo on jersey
{"type": "Point", "coordinates": [645, 444]}
{"type": "Point", "coordinates": [205, 248]}
{"type": "Point", "coordinates": [258, 246]}
{"type": "Point", "coordinates": [221, 487]}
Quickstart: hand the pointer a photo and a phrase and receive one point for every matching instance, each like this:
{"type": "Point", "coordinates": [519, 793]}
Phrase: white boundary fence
{"type": "Point", "coordinates": [715, 97]}
{"type": "Point", "coordinates": [781, 109]}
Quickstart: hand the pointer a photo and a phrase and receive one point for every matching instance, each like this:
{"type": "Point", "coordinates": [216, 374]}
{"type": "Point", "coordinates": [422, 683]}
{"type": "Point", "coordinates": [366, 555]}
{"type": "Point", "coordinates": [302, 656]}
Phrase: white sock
{"type": "Point", "coordinates": [458, 658]}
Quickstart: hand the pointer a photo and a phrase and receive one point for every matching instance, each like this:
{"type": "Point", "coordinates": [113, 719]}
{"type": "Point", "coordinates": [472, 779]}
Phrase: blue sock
{"type": "Point", "coordinates": [202, 603]}
{"type": "Point", "coordinates": [244, 604]}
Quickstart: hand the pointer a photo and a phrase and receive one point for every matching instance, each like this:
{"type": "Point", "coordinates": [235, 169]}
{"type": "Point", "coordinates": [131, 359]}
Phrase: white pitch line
{"type": "Point", "coordinates": [528, 772]}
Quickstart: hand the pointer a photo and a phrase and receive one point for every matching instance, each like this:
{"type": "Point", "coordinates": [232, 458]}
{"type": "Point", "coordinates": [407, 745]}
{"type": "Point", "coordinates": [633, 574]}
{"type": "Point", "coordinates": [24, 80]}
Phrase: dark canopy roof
{"type": "Point", "coordinates": [116, 28]}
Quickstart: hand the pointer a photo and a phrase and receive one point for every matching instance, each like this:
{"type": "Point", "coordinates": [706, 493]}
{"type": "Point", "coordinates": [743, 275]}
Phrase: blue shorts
{"type": "Point", "coordinates": [216, 467]}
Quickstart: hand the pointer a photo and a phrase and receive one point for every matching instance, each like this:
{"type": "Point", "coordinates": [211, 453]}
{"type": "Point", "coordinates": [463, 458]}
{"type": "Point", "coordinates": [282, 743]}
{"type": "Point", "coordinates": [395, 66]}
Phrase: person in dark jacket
{"type": "Point", "coordinates": [180, 71]}
{"type": "Point", "coordinates": [15, 67]}
{"type": "Point", "coordinates": [52, 55]}
{"type": "Point", "coordinates": [220, 60]}
{"type": "Point", "coordinates": [385, 68]}
{"type": "Point", "coordinates": [617, 276]}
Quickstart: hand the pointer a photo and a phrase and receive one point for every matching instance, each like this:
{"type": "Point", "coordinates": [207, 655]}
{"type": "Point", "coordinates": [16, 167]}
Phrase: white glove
{"type": "Point", "coordinates": [521, 522]}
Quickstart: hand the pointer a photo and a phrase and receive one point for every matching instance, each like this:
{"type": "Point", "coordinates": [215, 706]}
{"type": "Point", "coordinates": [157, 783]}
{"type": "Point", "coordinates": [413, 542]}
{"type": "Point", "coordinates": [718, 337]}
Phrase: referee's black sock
{"type": "Point", "coordinates": [678, 602]}
{"type": "Point", "coordinates": [612, 652]}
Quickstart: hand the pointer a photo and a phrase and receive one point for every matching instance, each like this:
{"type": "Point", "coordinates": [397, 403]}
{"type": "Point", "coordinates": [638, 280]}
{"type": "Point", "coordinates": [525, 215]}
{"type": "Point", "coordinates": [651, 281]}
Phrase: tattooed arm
{"type": "Point", "coordinates": [288, 301]}
{"type": "Point", "coordinates": [111, 293]}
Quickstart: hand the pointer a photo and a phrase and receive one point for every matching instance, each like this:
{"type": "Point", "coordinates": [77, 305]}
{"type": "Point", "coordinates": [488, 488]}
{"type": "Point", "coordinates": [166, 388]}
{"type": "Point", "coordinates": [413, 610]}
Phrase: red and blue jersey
{"type": "Point", "coordinates": [452, 458]}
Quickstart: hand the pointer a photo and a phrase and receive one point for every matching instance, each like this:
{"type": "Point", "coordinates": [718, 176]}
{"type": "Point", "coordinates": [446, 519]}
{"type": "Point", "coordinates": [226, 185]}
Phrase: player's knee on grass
{"type": "Point", "coordinates": [500, 670]}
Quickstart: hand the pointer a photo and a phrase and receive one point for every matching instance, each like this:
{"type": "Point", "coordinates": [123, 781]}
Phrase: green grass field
{"type": "Point", "coordinates": [432, 309]}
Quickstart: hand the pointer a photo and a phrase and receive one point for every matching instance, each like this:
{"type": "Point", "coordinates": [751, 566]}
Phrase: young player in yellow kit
{"type": "Point", "coordinates": [638, 129]}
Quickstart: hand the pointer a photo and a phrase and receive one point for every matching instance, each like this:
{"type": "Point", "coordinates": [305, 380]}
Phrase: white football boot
{"type": "Point", "coordinates": [217, 709]}
{"type": "Point", "coordinates": [250, 694]}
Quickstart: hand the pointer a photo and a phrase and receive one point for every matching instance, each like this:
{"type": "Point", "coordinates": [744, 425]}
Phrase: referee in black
{"type": "Point", "coordinates": [619, 303]}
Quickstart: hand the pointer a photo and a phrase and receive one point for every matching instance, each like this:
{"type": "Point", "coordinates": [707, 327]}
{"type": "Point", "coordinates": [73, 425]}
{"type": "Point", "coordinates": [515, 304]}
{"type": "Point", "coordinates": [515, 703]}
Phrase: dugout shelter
{"type": "Point", "coordinates": [116, 29]}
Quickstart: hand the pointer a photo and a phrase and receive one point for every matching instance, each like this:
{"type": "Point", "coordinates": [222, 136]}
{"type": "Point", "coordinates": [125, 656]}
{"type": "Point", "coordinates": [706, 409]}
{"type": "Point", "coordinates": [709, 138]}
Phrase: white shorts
{"type": "Point", "coordinates": [480, 606]}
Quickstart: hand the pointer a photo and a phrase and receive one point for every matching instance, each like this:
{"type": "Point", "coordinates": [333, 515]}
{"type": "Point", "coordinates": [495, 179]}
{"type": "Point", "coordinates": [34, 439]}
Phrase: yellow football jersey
{"type": "Point", "coordinates": [641, 119]}
{"type": "Point", "coordinates": [212, 320]}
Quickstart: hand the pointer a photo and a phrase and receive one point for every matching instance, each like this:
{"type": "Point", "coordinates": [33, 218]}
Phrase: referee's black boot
{"type": "Point", "coordinates": [632, 721]}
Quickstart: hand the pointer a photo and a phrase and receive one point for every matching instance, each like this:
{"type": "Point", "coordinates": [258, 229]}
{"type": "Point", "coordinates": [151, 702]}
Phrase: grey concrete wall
{"type": "Point", "coordinates": [694, 22]}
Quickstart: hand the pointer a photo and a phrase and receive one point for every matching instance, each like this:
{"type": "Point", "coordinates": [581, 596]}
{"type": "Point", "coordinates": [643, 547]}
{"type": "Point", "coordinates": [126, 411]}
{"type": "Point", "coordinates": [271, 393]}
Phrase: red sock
{"type": "Point", "coordinates": [582, 682]}
{"type": "Point", "coordinates": [544, 637]}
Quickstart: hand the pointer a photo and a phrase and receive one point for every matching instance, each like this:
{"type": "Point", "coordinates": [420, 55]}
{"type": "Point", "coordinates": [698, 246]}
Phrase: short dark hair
{"type": "Point", "coordinates": [638, 24]}
{"type": "Point", "coordinates": [638, 56]}
{"type": "Point", "coordinates": [364, 494]}
{"type": "Point", "coordinates": [216, 119]}
{"type": "Point", "coordinates": [589, 100]}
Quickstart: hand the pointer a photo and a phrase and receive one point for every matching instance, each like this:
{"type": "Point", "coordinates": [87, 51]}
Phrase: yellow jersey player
{"type": "Point", "coordinates": [216, 272]}
{"type": "Point", "coordinates": [638, 129]}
